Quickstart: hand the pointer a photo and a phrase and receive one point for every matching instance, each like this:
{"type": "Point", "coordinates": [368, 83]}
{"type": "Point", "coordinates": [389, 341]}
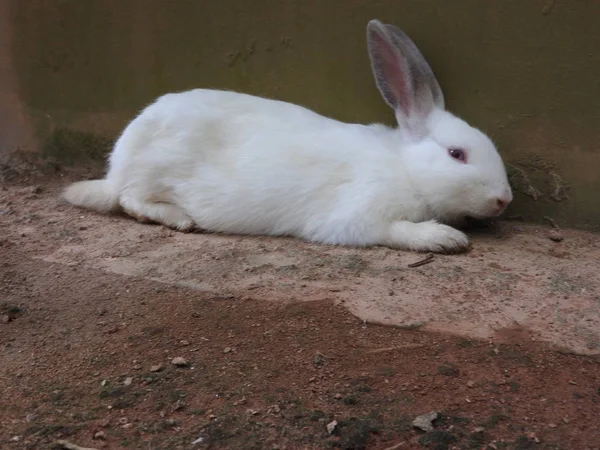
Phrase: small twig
{"type": "Point", "coordinates": [426, 260]}
{"type": "Point", "coordinates": [514, 217]}
{"type": "Point", "coordinates": [70, 446]}
{"type": "Point", "coordinates": [396, 447]}
{"type": "Point", "coordinates": [551, 221]}
{"type": "Point", "coordinates": [391, 349]}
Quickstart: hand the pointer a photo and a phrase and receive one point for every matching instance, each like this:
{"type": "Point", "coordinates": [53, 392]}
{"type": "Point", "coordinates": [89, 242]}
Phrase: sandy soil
{"type": "Point", "coordinates": [280, 337]}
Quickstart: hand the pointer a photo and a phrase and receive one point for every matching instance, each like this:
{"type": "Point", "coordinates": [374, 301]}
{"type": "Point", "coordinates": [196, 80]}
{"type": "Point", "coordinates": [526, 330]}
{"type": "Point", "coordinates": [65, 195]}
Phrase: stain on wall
{"type": "Point", "coordinates": [524, 72]}
{"type": "Point", "coordinates": [16, 132]}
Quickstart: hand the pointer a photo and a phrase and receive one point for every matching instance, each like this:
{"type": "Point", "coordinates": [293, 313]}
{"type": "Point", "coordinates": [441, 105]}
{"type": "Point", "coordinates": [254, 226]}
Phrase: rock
{"type": "Point", "coordinates": [5, 318]}
{"type": "Point", "coordinates": [156, 368]}
{"type": "Point", "coordinates": [128, 381]}
{"type": "Point", "coordinates": [319, 359]}
{"type": "Point", "coordinates": [338, 396]}
{"type": "Point", "coordinates": [179, 404]}
{"type": "Point", "coordinates": [331, 426]}
{"type": "Point", "coordinates": [555, 236]}
{"type": "Point", "coordinates": [425, 421]}
{"type": "Point", "coordinates": [470, 384]}
{"type": "Point", "coordinates": [227, 350]}
{"type": "Point", "coordinates": [241, 401]}
{"type": "Point", "coordinates": [30, 417]}
{"type": "Point", "coordinates": [179, 361]}
{"type": "Point", "coordinates": [105, 422]}
{"type": "Point", "coordinates": [100, 435]}
{"type": "Point", "coordinates": [274, 409]}
{"type": "Point", "coordinates": [448, 370]}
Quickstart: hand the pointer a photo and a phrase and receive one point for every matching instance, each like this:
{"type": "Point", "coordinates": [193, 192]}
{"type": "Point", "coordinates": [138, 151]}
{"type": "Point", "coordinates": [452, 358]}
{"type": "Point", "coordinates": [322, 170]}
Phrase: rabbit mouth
{"type": "Point", "coordinates": [492, 213]}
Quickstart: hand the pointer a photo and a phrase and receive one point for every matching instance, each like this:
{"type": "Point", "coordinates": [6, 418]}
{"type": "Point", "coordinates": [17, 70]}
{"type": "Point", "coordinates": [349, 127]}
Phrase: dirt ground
{"type": "Point", "coordinates": [121, 335]}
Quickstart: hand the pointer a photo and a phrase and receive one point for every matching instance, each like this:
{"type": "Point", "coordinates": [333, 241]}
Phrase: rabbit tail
{"type": "Point", "coordinates": [99, 195]}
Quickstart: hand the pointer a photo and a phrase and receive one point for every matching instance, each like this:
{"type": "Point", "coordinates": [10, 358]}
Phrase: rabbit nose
{"type": "Point", "coordinates": [502, 202]}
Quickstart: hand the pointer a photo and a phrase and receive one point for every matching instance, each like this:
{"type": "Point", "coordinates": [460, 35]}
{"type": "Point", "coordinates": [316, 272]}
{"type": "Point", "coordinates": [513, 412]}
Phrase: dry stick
{"type": "Point", "coordinates": [70, 446]}
{"type": "Point", "coordinates": [426, 260]}
{"type": "Point", "coordinates": [551, 221]}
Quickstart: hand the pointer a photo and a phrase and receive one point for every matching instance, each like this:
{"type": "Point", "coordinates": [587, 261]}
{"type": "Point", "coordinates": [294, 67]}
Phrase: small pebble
{"type": "Point", "coordinates": [179, 361]}
{"type": "Point", "coordinates": [156, 368]}
{"type": "Point", "coordinates": [128, 381]}
{"type": "Point", "coordinates": [227, 350]}
{"type": "Point", "coordinates": [425, 421]}
{"type": "Point", "coordinates": [105, 423]}
{"type": "Point", "coordinates": [331, 426]}
{"type": "Point", "coordinates": [275, 409]}
{"type": "Point", "coordinates": [179, 404]}
{"type": "Point", "coordinates": [101, 435]}
{"type": "Point", "coordinates": [555, 236]}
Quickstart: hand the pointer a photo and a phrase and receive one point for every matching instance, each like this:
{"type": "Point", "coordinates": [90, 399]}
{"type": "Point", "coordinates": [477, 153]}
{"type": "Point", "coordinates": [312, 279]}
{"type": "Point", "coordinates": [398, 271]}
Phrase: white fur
{"type": "Point", "coordinates": [234, 163]}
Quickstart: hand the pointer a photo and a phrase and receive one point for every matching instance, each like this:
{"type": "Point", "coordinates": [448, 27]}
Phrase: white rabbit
{"type": "Point", "coordinates": [233, 163]}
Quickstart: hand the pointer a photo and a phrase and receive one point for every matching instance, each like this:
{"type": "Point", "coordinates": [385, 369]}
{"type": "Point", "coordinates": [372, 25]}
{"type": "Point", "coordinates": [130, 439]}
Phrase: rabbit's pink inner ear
{"type": "Point", "coordinates": [391, 73]}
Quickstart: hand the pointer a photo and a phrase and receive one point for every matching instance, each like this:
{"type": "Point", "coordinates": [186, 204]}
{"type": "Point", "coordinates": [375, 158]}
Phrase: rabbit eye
{"type": "Point", "coordinates": [458, 153]}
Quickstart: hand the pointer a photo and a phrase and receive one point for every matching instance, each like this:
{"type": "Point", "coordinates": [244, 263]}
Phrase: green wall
{"type": "Point", "coordinates": [525, 71]}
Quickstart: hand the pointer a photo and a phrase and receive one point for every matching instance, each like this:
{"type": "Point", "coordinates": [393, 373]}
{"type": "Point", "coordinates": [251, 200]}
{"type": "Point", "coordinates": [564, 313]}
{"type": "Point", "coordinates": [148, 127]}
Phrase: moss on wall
{"type": "Point", "coordinates": [525, 72]}
{"type": "Point", "coordinates": [72, 146]}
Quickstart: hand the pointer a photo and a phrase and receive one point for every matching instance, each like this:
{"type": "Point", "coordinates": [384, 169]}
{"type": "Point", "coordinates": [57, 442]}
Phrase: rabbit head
{"type": "Point", "coordinates": [455, 168]}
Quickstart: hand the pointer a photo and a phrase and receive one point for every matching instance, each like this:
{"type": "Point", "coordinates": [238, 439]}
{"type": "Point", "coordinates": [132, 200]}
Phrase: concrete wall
{"type": "Point", "coordinates": [72, 72]}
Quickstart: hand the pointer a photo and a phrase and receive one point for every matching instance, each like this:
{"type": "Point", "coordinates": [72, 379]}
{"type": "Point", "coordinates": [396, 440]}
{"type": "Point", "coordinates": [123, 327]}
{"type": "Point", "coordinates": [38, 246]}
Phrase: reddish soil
{"type": "Point", "coordinates": [95, 308]}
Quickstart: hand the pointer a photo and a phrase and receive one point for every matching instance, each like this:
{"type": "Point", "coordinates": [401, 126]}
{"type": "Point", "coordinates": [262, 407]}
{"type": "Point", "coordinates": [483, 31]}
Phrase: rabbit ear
{"type": "Point", "coordinates": [421, 69]}
{"type": "Point", "coordinates": [403, 77]}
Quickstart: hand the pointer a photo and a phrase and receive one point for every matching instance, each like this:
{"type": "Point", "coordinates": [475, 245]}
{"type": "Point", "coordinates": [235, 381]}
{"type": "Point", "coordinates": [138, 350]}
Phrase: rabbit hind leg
{"type": "Point", "coordinates": [146, 211]}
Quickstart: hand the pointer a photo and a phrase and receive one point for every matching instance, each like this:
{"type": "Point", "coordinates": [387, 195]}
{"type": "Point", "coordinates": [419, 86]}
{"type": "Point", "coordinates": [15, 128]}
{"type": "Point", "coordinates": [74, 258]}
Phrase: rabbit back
{"type": "Point", "coordinates": [242, 164]}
